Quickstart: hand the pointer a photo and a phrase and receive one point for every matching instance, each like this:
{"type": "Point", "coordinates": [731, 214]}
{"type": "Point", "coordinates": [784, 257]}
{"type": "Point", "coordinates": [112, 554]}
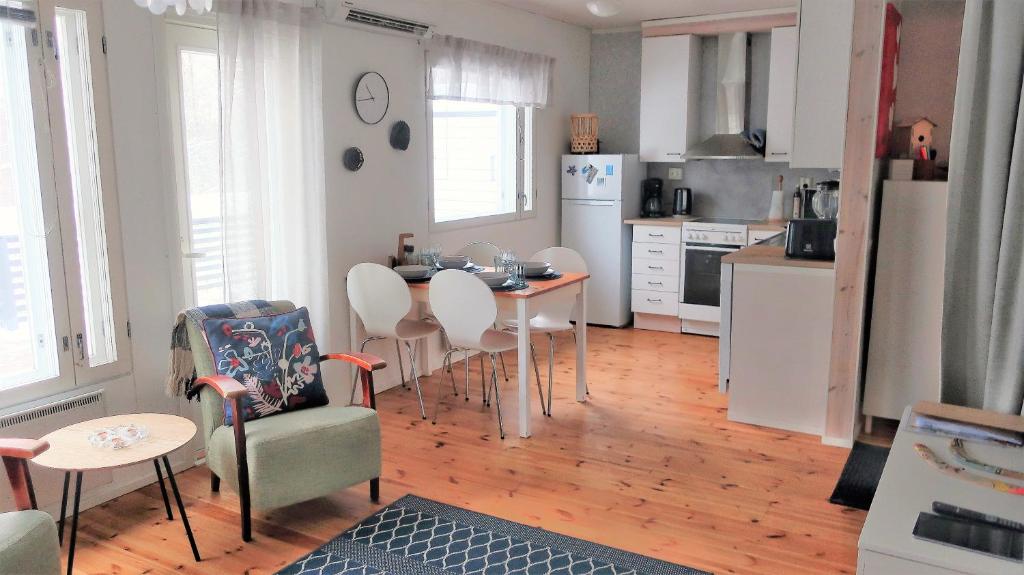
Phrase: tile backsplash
{"type": "Point", "coordinates": [733, 188]}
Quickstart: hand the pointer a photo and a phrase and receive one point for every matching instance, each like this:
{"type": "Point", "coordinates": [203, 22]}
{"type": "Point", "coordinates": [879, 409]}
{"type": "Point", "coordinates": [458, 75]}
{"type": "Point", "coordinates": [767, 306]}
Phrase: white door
{"type": "Point", "coordinates": [195, 127]}
{"type": "Point", "coordinates": [594, 228]}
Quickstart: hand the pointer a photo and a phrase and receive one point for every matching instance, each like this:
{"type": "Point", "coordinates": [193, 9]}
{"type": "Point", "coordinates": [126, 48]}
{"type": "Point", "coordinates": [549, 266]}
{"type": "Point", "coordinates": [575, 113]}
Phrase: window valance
{"type": "Point", "coordinates": [461, 69]}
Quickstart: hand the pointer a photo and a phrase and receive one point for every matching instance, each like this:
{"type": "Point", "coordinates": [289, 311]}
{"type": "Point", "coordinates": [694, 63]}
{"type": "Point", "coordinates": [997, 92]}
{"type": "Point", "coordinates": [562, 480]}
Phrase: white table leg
{"type": "Point", "coordinates": [523, 331]}
{"type": "Point", "coordinates": [581, 343]}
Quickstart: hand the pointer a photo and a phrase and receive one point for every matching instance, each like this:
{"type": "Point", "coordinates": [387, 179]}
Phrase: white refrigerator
{"type": "Point", "coordinates": [598, 193]}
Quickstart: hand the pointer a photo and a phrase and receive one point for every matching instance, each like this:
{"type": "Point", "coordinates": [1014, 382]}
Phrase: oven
{"type": "Point", "coordinates": [705, 242]}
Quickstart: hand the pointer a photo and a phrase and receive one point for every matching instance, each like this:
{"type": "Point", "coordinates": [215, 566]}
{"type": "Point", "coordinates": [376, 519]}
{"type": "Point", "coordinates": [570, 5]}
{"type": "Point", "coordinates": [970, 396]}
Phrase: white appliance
{"type": "Point", "coordinates": [705, 241]}
{"type": "Point", "coordinates": [598, 193]}
{"type": "Point", "coordinates": [905, 345]}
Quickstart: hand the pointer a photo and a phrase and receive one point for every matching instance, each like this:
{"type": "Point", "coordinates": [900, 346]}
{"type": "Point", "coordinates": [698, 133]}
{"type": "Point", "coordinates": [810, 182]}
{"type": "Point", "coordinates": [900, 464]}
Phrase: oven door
{"type": "Point", "coordinates": [702, 275]}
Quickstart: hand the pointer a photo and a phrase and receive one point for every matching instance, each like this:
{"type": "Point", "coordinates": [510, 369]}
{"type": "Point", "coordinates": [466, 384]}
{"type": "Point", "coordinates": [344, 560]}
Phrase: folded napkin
{"type": "Point", "coordinates": [182, 370]}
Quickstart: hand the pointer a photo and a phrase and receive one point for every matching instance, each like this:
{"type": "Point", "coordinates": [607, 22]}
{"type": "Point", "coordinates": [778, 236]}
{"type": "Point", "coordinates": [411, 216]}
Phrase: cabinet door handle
{"type": "Point", "coordinates": [655, 251]}
{"type": "Point", "coordinates": [655, 284]}
{"type": "Point", "coordinates": [655, 268]}
{"type": "Point", "coordinates": [656, 235]}
{"type": "Point", "coordinates": [673, 153]}
{"type": "Point", "coordinates": [778, 153]}
{"type": "Point", "coordinates": [649, 300]}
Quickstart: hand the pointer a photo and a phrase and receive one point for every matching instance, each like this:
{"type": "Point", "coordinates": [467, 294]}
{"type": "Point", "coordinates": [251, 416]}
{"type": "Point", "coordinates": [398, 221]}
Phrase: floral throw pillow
{"type": "Point", "coordinates": [276, 359]}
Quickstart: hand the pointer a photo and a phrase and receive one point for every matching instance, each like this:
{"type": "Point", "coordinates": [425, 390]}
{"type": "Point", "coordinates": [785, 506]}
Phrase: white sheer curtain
{"type": "Point", "coordinates": [461, 69]}
{"type": "Point", "coordinates": [272, 173]}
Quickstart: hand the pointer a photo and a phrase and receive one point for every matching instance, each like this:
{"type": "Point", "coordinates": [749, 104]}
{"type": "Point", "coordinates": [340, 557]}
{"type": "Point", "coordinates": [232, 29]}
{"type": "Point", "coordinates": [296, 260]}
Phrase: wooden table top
{"type": "Point", "coordinates": [536, 287]}
{"type": "Point", "coordinates": [70, 449]}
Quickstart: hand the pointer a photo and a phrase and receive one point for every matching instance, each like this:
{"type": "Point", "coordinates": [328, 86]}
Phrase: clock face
{"type": "Point", "coordinates": [371, 97]}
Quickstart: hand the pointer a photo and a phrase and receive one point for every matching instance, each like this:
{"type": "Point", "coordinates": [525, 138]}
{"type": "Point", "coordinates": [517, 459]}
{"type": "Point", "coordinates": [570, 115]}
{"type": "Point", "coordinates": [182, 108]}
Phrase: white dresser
{"type": "Point", "coordinates": [655, 281]}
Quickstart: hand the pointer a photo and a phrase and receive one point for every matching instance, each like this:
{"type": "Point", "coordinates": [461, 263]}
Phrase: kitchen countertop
{"type": "Point", "coordinates": [764, 254]}
{"type": "Point", "coordinates": [666, 221]}
{"type": "Point", "coordinates": [678, 221]}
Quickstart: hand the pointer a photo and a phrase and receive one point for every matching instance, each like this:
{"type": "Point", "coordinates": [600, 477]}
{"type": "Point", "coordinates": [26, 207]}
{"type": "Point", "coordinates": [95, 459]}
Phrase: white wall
{"type": "Point", "coordinates": [366, 210]}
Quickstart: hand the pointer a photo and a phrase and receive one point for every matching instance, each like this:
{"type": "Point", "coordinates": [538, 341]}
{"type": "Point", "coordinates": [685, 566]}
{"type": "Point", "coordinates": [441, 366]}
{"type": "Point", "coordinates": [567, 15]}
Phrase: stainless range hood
{"type": "Point", "coordinates": [728, 143]}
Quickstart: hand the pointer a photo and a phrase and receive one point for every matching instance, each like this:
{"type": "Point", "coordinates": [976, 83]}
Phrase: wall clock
{"type": "Point", "coordinates": [371, 97]}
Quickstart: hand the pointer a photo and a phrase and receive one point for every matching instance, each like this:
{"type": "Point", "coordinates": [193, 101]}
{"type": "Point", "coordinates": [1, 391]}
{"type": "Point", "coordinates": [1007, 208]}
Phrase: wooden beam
{"type": "Point", "coordinates": [711, 25]}
{"type": "Point", "coordinates": [856, 208]}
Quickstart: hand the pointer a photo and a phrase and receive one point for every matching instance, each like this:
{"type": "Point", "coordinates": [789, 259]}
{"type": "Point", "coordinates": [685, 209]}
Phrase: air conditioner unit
{"type": "Point", "coordinates": [348, 14]}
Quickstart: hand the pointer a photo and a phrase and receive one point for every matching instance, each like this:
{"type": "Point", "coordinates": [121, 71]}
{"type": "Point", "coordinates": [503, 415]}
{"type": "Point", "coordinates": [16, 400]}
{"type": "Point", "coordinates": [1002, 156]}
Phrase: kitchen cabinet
{"type": "Point", "coordinates": [822, 83]}
{"type": "Point", "coordinates": [655, 281]}
{"type": "Point", "coordinates": [669, 97]}
{"type": "Point", "coordinates": [779, 336]}
{"type": "Point", "coordinates": [781, 94]}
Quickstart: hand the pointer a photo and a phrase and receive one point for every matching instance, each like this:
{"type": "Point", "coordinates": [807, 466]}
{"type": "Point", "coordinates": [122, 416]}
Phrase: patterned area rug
{"type": "Point", "coordinates": [420, 536]}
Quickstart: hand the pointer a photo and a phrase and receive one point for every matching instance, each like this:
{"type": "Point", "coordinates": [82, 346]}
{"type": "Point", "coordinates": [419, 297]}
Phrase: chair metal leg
{"type": "Point", "coordinates": [401, 367]}
{"type": "Point", "coordinates": [536, 372]}
{"type": "Point", "coordinates": [440, 385]}
{"type": "Point", "coordinates": [416, 377]}
{"type": "Point", "coordinates": [497, 395]}
{"type": "Point", "coordinates": [483, 386]}
{"type": "Point", "coordinates": [503, 370]}
{"type": "Point", "coordinates": [551, 368]}
{"type": "Point", "coordinates": [214, 483]}
{"type": "Point", "coordinates": [181, 508]}
{"type": "Point", "coordinates": [375, 490]}
{"type": "Point", "coordinates": [163, 490]}
{"type": "Point", "coordinates": [465, 356]}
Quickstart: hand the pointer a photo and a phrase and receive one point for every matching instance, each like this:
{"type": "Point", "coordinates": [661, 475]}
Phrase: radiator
{"type": "Point", "coordinates": [37, 422]}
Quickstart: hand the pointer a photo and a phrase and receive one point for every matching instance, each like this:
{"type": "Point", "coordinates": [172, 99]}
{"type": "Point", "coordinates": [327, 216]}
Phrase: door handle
{"type": "Point", "coordinates": [655, 284]}
{"type": "Point", "coordinates": [649, 300]}
{"type": "Point", "coordinates": [655, 251]}
{"type": "Point", "coordinates": [655, 268]}
{"type": "Point", "coordinates": [656, 235]}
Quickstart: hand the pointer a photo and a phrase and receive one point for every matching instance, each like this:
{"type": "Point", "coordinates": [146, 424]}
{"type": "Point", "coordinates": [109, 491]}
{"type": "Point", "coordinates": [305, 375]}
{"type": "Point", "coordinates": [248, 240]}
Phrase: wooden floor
{"type": "Point", "coordinates": [650, 464]}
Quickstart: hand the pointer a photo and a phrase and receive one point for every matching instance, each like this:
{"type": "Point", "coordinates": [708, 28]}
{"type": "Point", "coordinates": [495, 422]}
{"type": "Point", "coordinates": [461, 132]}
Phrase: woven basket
{"type": "Point", "coordinates": [584, 133]}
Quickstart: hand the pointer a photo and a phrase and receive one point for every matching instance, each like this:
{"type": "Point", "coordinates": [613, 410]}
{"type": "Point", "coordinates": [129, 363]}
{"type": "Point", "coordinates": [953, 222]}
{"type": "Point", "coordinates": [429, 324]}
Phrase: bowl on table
{"type": "Point", "coordinates": [453, 262]}
{"type": "Point", "coordinates": [412, 272]}
{"type": "Point", "coordinates": [534, 269]}
{"type": "Point", "coordinates": [493, 279]}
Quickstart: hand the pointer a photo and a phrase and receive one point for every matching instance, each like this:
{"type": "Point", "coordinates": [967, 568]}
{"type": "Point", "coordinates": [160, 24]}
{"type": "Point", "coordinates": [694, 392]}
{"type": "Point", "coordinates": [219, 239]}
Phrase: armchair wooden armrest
{"type": "Point", "coordinates": [22, 448]}
{"type": "Point", "coordinates": [365, 361]}
{"type": "Point", "coordinates": [367, 364]}
{"type": "Point", "coordinates": [15, 454]}
{"type": "Point", "coordinates": [227, 387]}
{"type": "Point", "coordinates": [231, 390]}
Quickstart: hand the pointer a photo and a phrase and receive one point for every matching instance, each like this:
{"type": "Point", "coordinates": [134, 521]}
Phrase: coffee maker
{"type": "Point", "coordinates": [651, 207]}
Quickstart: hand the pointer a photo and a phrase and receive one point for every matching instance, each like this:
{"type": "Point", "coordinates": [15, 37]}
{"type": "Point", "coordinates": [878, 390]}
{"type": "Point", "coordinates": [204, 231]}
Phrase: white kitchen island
{"type": "Point", "coordinates": [776, 338]}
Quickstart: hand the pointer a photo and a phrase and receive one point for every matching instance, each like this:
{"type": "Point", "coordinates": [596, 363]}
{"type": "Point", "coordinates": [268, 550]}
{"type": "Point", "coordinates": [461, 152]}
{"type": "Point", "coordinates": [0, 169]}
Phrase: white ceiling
{"type": "Point", "coordinates": [636, 11]}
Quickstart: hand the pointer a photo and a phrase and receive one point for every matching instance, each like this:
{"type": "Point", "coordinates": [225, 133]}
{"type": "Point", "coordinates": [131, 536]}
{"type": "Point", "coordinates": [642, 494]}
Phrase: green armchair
{"type": "Point", "coordinates": [28, 537]}
{"type": "Point", "coordinates": [288, 457]}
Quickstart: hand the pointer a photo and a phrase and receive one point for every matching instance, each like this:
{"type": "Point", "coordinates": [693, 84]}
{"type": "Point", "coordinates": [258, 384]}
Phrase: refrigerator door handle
{"type": "Point", "coordinates": [594, 202]}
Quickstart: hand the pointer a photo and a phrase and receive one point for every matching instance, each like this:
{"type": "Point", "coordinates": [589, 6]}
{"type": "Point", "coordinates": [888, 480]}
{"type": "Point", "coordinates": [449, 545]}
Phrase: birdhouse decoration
{"type": "Point", "coordinates": [914, 140]}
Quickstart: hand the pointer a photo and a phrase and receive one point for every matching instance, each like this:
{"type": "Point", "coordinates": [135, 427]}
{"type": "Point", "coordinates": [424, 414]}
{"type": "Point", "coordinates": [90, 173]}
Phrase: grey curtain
{"type": "Point", "coordinates": [983, 316]}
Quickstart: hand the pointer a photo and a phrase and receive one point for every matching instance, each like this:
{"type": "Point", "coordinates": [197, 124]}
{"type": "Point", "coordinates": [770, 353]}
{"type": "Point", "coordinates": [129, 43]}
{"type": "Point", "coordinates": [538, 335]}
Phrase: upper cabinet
{"type": "Point", "coordinates": [822, 83]}
{"type": "Point", "coordinates": [669, 97]}
{"type": "Point", "coordinates": [781, 94]}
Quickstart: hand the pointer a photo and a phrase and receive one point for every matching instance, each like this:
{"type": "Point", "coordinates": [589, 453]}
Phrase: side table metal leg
{"type": "Point", "coordinates": [63, 508]}
{"type": "Point", "coordinates": [181, 509]}
{"type": "Point", "coordinates": [74, 522]}
{"type": "Point", "coordinates": [163, 490]}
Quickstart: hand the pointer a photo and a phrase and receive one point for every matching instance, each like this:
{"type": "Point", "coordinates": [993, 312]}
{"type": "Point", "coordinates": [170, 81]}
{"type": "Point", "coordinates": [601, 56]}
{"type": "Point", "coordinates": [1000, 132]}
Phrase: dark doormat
{"type": "Point", "coordinates": [859, 480]}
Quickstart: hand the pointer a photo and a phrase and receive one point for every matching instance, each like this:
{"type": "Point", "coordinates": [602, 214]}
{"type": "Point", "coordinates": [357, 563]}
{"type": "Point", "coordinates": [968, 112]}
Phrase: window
{"type": "Point", "coordinates": [481, 169]}
{"type": "Point", "coordinates": [62, 306]}
{"type": "Point", "coordinates": [195, 112]}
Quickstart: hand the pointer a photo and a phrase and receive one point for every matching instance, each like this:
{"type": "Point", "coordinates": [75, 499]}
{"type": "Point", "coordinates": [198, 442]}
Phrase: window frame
{"type": "Point", "coordinates": [57, 190]}
{"type": "Point", "coordinates": [525, 176]}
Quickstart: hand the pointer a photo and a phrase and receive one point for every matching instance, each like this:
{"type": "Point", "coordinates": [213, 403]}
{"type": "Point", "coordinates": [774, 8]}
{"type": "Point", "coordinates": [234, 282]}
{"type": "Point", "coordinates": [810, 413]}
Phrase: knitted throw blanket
{"type": "Point", "coordinates": [182, 371]}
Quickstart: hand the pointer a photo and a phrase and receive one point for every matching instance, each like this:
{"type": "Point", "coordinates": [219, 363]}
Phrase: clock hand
{"type": "Point", "coordinates": [370, 99]}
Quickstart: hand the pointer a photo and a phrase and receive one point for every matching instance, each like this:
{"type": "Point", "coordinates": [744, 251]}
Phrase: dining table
{"type": "Point", "coordinates": [525, 303]}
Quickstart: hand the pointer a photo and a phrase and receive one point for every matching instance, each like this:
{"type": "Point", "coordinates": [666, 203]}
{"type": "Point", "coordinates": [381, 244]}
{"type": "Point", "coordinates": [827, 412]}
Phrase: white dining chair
{"type": "Point", "coordinates": [483, 254]}
{"type": "Point", "coordinates": [466, 308]}
{"type": "Point", "coordinates": [480, 253]}
{"type": "Point", "coordinates": [555, 314]}
{"type": "Point", "coordinates": [381, 299]}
